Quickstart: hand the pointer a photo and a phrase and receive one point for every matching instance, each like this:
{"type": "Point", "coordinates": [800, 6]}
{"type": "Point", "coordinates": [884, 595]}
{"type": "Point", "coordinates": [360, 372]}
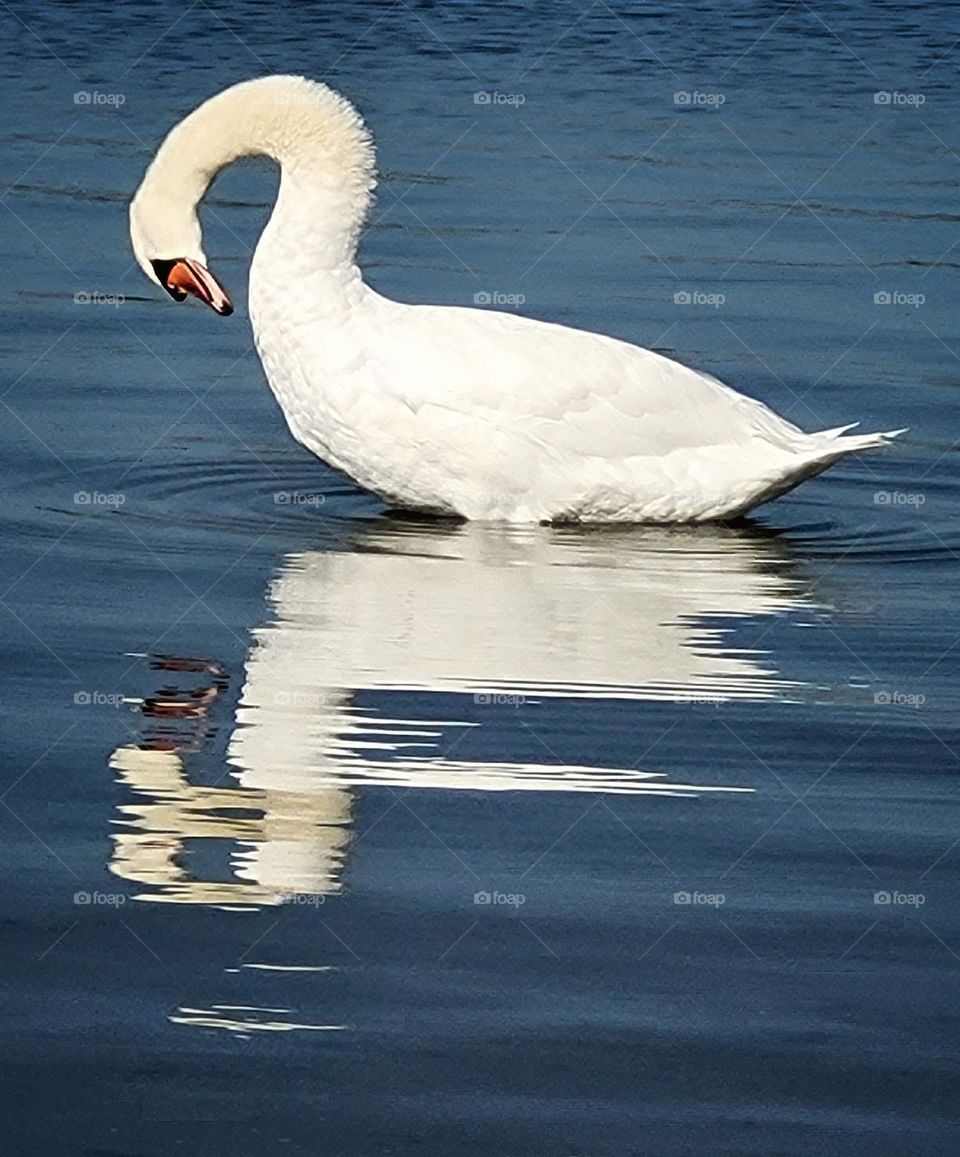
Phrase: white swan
{"type": "Point", "coordinates": [460, 411]}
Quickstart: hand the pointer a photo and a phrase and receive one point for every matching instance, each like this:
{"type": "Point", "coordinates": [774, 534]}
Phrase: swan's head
{"type": "Point", "coordinates": [168, 245]}
{"type": "Point", "coordinates": [313, 133]}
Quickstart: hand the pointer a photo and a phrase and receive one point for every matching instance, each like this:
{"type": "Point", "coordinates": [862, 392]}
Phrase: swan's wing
{"type": "Point", "coordinates": [577, 393]}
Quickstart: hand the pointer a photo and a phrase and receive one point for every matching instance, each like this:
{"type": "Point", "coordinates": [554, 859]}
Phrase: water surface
{"type": "Point", "coordinates": [326, 831]}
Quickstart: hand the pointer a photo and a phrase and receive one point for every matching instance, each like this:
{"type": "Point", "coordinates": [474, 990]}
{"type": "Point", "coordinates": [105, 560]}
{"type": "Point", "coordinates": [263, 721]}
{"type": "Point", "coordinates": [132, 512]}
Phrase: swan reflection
{"type": "Point", "coordinates": [284, 843]}
{"type": "Point", "coordinates": [447, 619]}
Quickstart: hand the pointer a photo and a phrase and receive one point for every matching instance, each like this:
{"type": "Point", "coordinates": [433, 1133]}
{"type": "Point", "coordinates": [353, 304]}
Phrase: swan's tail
{"type": "Point", "coordinates": [811, 454]}
{"type": "Point", "coordinates": [827, 446]}
{"type": "Point", "coordinates": [857, 441]}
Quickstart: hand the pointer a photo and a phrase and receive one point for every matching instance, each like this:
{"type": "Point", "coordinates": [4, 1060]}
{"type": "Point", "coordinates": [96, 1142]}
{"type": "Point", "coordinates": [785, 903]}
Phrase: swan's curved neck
{"type": "Point", "coordinates": [316, 137]}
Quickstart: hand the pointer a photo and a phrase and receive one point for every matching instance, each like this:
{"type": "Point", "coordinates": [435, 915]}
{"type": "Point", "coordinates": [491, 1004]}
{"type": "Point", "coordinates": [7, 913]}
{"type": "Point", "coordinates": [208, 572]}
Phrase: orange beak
{"type": "Point", "coordinates": [183, 275]}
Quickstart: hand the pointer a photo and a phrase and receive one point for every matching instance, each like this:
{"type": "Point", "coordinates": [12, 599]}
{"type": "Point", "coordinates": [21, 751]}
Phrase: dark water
{"type": "Point", "coordinates": [329, 833]}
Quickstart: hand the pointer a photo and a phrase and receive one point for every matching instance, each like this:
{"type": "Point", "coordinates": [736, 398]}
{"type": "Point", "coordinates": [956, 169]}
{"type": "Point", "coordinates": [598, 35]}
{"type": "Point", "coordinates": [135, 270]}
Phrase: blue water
{"type": "Point", "coordinates": [328, 832]}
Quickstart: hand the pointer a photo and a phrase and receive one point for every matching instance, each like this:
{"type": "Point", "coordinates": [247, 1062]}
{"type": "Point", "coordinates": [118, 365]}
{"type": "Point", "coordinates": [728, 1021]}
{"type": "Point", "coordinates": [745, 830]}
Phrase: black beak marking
{"type": "Point", "coordinates": [162, 270]}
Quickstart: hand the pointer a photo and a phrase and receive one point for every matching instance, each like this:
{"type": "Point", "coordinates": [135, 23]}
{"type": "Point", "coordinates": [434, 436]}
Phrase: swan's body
{"type": "Point", "coordinates": [461, 411]}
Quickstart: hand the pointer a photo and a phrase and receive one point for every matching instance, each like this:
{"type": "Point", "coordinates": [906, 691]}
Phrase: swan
{"type": "Point", "coordinates": [449, 410]}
